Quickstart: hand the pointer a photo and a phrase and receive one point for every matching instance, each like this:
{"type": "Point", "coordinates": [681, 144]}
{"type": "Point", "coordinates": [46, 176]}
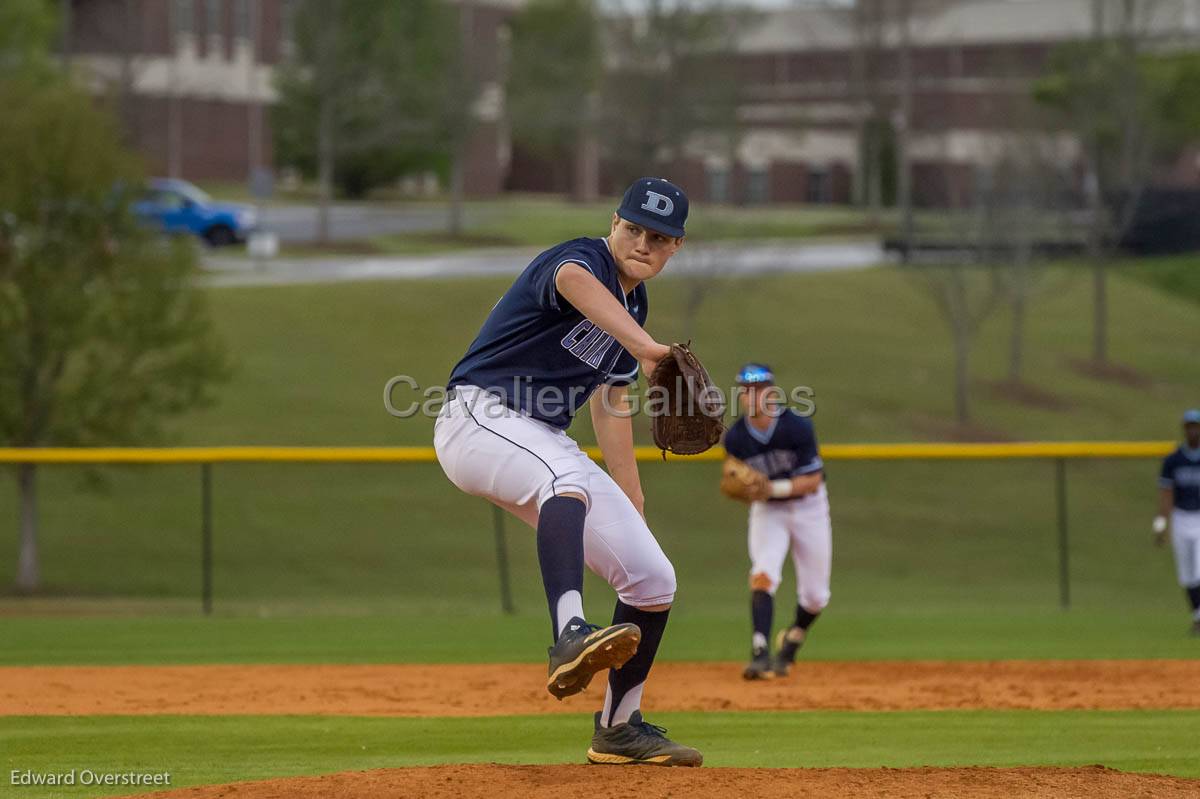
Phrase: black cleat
{"type": "Point", "coordinates": [638, 742]}
{"type": "Point", "coordinates": [787, 644]}
{"type": "Point", "coordinates": [759, 667]}
{"type": "Point", "coordinates": [584, 649]}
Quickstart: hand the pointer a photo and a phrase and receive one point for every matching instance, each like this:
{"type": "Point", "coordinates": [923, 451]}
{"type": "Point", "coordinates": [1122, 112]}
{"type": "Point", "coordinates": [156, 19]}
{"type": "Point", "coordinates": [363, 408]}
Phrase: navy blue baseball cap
{"type": "Point", "coordinates": [656, 204]}
{"type": "Point", "coordinates": [755, 373]}
{"type": "Point", "coordinates": [1192, 416]}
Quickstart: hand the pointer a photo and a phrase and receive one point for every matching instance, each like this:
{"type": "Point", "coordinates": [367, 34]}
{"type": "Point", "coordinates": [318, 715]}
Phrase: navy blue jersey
{"type": "Point", "coordinates": [538, 353]}
{"type": "Point", "coordinates": [788, 448]}
{"type": "Point", "coordinates": [1181, 473]}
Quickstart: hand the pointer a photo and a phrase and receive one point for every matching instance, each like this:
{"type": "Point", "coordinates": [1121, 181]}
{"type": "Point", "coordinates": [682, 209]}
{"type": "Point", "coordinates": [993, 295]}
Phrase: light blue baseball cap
{"type": "Point", "coordinates": [755, 373]}
{"type": "Point", "coordinates": [1191, 416]}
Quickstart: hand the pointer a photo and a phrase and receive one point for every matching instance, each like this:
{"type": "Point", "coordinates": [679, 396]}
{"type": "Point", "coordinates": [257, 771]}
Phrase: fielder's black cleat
{"type": "Point", "coordinates": [637, 742]}
{"type": "Point", "coordinates": [584, 649]}
{"type": "Point", "coordinates": [759, 667]}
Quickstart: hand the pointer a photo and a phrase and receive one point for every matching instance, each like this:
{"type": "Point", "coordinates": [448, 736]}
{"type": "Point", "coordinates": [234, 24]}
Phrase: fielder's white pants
{"type": "Point", "coordinates": [518, 462]}
{"type": "Point", "coordinates": [1185, 538]}
{"type": "Point", "coordinates": [803, 524]}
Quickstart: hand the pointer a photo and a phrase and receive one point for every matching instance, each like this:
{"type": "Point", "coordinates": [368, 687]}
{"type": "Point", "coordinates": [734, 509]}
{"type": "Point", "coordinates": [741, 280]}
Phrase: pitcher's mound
{"type": "Point", "coordinates": [648, 782]}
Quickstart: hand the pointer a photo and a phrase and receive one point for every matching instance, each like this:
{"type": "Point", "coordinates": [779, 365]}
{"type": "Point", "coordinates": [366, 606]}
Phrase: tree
{"type": "Point", "coordinates": [103, 334]}
{"type": "Point", "coordinates": [672, 77]}
{"type": "Point", "coordinates": [1116, 103]}
{"type": "Point", "coordinates": [554, 75]}
{"type": "Point", "coordinates": [27, 28]}
{"type": "Point", "coordinates": [364, 96]}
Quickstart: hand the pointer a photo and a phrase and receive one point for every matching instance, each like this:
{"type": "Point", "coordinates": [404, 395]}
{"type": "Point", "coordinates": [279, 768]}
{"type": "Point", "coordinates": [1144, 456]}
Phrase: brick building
{"type": "Point", "coordinates": [195, 78]}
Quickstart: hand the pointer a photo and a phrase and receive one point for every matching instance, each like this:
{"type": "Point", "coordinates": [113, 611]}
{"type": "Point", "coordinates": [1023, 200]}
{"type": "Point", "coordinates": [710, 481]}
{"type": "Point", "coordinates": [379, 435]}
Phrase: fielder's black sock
{"type": "Point", "coordinates": [625, 684]}
{"type": "Point", "coordinates": [1194, 597]}
{"type": "Point", "coordinates": [762, 612]}
{"type": "Point", "coordinates": [560, 554]}
{"type": "Point", "coordinates": [804, 620]}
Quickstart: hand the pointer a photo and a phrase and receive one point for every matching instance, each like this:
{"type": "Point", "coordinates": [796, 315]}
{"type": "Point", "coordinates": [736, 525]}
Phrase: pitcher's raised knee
{"type": "Point", "coordinates": [654, 584]}
{"type": "Point", "coordinates": [814, 600]}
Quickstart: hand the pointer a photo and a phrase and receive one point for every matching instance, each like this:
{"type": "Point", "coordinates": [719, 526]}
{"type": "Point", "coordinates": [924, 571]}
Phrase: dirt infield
{"type": "Point", "coordinates": [501, 690]}
{"type": "Point", "coordinates": [556, 782]}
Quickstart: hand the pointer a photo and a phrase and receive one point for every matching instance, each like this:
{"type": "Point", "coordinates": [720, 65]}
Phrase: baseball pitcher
{"type": "Point", "coordinates": [774, 464]}
{"type": "Point", "coordinates": [569, 331]}
{"type": "Point", "coordinates": [1179, 511]}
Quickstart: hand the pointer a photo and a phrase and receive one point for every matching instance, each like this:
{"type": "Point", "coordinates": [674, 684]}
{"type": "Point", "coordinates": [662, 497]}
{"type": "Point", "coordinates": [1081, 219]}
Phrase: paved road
{"type": "Point", "coordinates": [298, 223]}
{"type": "Point", "coordinates": [723, 260]}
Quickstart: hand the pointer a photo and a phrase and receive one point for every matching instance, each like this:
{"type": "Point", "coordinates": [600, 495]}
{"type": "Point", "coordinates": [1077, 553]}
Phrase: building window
{"type": "Point", "coordinates": [718, 184]}
{"type": "Point", "coordinates": [184, 16]}
{"type": "Point", "coordinates": [212, 19]}
{"type": "Point", "coordinates": [758, 187]}
{"type": "Point", "coordinates": [287, 28]}
{"type": "Point", "coordinates": [820, 185]}
{"type": "Point", "coordinates": [241, 18]}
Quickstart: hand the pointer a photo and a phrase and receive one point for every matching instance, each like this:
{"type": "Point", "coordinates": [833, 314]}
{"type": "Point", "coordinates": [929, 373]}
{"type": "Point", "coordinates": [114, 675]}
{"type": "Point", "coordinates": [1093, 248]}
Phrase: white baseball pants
{"type": "Point", "coordinates": [518, 462]}
{"type": "Point", "coordinates": [1185, 538]}
{"type": "Point", "coordinates": [804, 525]}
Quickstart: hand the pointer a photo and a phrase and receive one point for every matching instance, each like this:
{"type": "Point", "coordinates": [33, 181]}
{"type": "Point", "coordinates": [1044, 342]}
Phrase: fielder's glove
{"type": "Point", "coordinates": [688, 407]}
{"type": "Point", "coordinates": [742, 482]}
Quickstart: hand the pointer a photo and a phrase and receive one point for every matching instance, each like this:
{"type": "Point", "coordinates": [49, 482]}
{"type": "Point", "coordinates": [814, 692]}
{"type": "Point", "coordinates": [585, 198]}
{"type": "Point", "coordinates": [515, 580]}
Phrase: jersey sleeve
{"type": "Point", "coordinates": [808, 454]}
{"type": "Point", "coordinates": [1166, 477]}
{"type": "Point", "coordinates": [735, 443]}
{"type": "Point", "coordinates": [544, 279]}
{"type": "Point", "coordinates": [544, 287]}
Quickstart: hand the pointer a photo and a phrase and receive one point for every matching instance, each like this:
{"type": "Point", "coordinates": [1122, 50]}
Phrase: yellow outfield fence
{"type": "Point", "coordinates": [830, 452]}
{"type": "Point", "coordinates": [206, 457]}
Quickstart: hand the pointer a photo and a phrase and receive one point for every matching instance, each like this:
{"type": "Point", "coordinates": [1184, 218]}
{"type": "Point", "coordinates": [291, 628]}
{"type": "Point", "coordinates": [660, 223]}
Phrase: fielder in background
{"type": "Point", "coordinates": [569, 332]}
{"type": "Point", "coordinates": [1179, 511]}
{"type": "Point", "coordinates": [773, 463]}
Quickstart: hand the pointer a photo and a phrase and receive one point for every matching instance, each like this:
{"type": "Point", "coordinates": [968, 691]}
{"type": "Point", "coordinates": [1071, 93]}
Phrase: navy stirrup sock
{"type": "Point", "coordinates": [560, 554]}
{"type": "Point", "coordinates": [633, 674]}
{"type": "Point", "coordinates": [762, 611]}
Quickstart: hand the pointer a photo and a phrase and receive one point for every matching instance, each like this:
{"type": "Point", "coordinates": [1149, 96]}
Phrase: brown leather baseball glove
{"type": "Point", "coordinates": [687, 409]}
{"type": "Point", "coordinates": [742, 482]}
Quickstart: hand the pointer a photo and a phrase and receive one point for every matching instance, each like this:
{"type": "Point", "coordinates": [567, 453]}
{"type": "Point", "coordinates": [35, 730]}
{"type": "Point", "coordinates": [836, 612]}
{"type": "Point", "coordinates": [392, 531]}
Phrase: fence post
{"type": "Point", "coordinates": [506, 602]}
{"type": "Point", "coordinates": [1064, 549]}
{"type": "Point", "coordinates": [206, 543]}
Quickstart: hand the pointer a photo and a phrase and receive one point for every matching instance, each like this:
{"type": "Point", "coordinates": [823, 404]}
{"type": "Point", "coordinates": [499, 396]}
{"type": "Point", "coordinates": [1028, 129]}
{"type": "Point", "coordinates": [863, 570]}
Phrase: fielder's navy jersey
{"type": "Point", "coordinates": [539, 354]}
{"type": "Point", "coordinates": [1181, 473]}
{"type": "Point", "coordinates": [788, 448]}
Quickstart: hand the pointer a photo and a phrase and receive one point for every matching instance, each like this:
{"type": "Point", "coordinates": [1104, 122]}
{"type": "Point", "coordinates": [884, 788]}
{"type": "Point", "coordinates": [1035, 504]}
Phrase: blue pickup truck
{"type": "Point", "coordinates": [176, 206]}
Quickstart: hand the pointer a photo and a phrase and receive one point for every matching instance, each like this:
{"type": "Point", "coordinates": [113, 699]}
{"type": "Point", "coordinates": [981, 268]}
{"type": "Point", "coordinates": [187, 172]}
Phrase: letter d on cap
{"type": "Point", "coordinates": [658, 204]}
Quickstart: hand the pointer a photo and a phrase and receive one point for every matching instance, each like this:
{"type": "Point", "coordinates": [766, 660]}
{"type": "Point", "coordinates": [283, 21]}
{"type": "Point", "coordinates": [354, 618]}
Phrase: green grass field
{"type": "Point", "coordinates": [224, 749]}
{"type": "Point", "coordinates": [312, 362]}
{"type": "Point", "coordinates": [378, 564]}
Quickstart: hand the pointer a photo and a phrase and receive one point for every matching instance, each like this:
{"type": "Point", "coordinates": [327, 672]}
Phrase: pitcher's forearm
{"type": "Point", "coordinates": [588, 296]}
{"type": "Point", "coordinates": [614, 435]}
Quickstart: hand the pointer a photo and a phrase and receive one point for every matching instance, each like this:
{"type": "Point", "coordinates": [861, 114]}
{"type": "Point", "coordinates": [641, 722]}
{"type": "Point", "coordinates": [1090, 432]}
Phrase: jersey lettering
{"type": "Point", "coordinates": [588, 343]}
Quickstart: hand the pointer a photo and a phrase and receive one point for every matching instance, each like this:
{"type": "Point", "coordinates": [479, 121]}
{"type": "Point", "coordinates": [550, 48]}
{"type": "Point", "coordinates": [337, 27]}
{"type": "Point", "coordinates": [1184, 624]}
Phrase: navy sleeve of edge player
{"type": "Point", "coordinates": [734, 443]}
{"type": "Point", "coordinates": [1166, 477]}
